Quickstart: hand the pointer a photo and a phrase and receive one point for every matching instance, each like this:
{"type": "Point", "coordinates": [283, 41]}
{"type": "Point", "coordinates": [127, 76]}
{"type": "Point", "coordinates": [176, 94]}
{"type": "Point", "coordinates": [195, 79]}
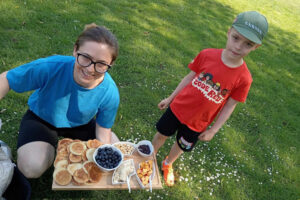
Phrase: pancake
{"type": "Point", "coordinates": [87, 165]}
{"type": "Point", "coordinates": [62, 164]}
{"type": "Point", "coordinates": [62, 144]}
{"type": "Point", "coordinates": [65, 141]}
{"type": "Point", "coordinates": [77, 148]}
{"type": "Point", "coordinates": [80, 176]}
{"type": "Point", "coordinates": [73, 167]}
{"type": "Point", "coordinates": [68, 148]}
{"type": "Point", "coordinates": [76, 183]}
{"type": "Point", "coordinates": [62, 152]}
{"type": "Point", "coordinates": [93, 143]}
{"type": "Point", "coordinates": [89, 154]}
{"type": "Point", "coordinates": [59, 158]}
{"type": "Point", "coordinates": [74, 158]}
{"type": "Point", "coordinates": [93, 171]}
{"type": "Point", "coordinates": [83, 156]}
{"type": "Point", "coordinates": [62, 176]}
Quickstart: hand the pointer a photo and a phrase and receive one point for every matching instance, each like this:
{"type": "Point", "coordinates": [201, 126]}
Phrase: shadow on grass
{"type": "Point", "coordinates": [157, 41]}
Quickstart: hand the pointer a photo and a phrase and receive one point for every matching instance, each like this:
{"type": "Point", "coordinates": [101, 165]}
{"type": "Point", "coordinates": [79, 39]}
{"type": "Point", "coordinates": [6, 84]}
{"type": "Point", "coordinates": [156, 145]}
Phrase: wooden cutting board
{"type": "Point", "coordinates": [106, 180]}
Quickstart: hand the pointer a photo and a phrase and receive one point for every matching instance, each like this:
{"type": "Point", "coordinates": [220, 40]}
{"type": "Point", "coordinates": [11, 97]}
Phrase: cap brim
{"type": "Point", "coordinates": [248, 34]}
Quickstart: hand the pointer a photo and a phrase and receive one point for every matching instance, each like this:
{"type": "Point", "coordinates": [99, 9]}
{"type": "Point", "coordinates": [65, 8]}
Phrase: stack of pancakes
{"type": "Point", "coordinates": [74, 162]}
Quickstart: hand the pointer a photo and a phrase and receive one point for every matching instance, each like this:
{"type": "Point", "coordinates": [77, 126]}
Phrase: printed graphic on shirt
{"type": "Point", "coordinates": [212, 91]}
{"type": "Point", "coordinates": [185, 144]}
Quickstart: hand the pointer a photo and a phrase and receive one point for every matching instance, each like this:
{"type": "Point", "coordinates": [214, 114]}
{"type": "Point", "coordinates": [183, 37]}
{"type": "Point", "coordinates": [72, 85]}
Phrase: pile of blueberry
{"type": "Point", "coordinates": [144, 149]}
{"type": "Point", "coordinates": [108, 158]}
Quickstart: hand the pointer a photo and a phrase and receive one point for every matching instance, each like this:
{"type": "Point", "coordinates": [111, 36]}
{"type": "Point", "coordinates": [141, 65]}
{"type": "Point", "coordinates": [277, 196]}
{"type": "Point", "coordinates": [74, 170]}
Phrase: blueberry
{"type": "Point", "coordinates": [144, 149]}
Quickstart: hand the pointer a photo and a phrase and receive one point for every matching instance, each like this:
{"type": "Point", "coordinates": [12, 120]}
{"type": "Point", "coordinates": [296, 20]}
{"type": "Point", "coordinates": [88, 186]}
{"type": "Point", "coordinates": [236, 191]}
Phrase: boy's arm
{"type": "Point", "coordinates": [224, 114]}
{"type": "Point", "coordinates": [186, 80]}
{"type": "Point", "coordinates": [4, 85]}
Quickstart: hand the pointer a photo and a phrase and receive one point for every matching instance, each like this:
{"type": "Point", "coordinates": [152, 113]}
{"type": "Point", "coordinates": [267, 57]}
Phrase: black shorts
{"type": "Point", "coordinates": [33, 128]}
{"type": "Point", "coordinates": [168, 124]}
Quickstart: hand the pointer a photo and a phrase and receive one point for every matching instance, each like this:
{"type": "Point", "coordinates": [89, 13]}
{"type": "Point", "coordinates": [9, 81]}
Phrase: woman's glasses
{"type": "Point", "coordinates": [85, 61]}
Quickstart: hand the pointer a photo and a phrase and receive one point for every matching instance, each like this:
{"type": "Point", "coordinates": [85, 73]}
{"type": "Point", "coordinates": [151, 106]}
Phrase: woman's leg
{"type": "Point", "coordinates": [36, 145]}
{"type": "Point", "coordinates": [35, 158]}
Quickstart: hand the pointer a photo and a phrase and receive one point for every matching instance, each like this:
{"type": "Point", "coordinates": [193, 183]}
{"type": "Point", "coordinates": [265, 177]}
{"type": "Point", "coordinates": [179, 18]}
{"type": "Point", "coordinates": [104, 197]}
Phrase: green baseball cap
{"type": "Point", "coordinates": [252, 25]}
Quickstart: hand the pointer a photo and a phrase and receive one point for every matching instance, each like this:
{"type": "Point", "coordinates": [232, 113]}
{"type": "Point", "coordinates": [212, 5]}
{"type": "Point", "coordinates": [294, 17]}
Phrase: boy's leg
{"type": "Point", "coordinates": [173, 154]}
{"type": "Point", "coordinates": [35, 158]}
{"type": "Point", "coordinates": [166, 126]}
{"type": "Point", "coordinates": [185, 141]}
{"type": "Point", "coordinates": [158, 140]}
{"type": "Point", "coordinates": [167, 164]}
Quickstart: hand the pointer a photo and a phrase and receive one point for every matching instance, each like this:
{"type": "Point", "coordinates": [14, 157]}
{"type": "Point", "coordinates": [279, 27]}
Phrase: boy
{"type": "Point", "coordinates": [218, 80]}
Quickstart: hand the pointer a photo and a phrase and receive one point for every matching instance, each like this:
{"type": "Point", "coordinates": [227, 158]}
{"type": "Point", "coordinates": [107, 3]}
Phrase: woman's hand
{"type": "Point", "coordinates": [4, 85]}
{"type": "Point", "coordinates": [207, 135]}
{"type": "Point", "coordinates": [164, 103]}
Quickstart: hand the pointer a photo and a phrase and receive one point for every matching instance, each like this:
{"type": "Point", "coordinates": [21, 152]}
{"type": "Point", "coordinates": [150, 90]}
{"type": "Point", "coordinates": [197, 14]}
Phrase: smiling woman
{"type": "Point", "coordinates": [95, 43]}
{"type": "Point", "coordinates": [69, 92]}
{"type": "Point", "coordinates": [88, 73]}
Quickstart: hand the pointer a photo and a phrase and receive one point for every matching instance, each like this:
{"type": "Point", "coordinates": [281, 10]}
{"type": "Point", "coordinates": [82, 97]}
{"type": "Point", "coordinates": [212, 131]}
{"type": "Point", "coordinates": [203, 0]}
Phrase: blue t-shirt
{"type": "Point", "coordinates": [58, 99]}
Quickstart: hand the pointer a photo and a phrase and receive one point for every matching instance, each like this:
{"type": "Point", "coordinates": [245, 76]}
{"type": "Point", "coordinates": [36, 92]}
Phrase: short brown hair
{"type": "Point", "coordinates": [100, 34]}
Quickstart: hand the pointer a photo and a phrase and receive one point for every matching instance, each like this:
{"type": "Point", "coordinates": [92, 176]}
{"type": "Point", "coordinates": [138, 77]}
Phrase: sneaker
{"type": "Point", "coordinates": [168, 173]}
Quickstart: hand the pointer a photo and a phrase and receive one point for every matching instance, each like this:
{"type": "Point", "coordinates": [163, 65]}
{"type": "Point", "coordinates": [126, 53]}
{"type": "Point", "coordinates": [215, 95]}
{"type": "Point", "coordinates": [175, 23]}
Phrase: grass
{"type": "Point", "coordinates": [256, 153]}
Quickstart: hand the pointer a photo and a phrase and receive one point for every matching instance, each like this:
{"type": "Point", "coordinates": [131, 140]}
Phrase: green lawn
{"type": "Point", "coordinates": [254, 156]}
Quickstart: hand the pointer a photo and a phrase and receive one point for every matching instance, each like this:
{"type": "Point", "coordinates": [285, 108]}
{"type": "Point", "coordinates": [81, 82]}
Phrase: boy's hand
{"type": "Point", "coordinates": [207, 135]}
{"type": "Point", "coordinates": [164, 104]}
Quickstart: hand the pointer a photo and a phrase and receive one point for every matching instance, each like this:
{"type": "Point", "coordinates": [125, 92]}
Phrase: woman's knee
{"type": "Point", "coordinates": [32, 168]}
{"type": "Point", "coordinates": [34, 159]}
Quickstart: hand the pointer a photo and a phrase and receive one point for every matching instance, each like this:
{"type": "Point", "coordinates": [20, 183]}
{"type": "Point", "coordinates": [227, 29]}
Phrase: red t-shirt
{"type": "Point", "coordinates": [199, 102]}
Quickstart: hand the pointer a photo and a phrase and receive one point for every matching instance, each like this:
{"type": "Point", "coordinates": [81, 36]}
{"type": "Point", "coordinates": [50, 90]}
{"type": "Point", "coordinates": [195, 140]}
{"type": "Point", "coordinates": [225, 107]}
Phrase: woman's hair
{"type": "Point", "coordinates": [100, 34]}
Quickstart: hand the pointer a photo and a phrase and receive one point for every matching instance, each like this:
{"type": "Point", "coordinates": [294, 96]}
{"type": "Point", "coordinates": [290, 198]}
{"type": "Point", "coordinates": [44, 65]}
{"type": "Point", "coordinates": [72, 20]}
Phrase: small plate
{"type": "Point", "coordinates": [145, 142]}
{"type": "Point", "coordinates": [126, 162]}
{"type": "Point", "coordinates": [114, 149]}
{"type": "Point", "coordinates": [129, 147]}
{"type": "Point", "coordinates": [151, 176]}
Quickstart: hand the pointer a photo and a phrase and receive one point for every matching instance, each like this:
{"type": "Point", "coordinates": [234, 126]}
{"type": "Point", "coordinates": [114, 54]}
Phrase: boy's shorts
{"type": "Point", "coordinates": [168, 124]}
{"type": "Point", "coordinates": [33, 128]}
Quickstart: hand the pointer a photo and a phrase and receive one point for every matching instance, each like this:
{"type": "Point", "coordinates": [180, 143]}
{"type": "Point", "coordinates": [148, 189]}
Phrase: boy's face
{"type": "Point", "coordinates": [238, 46]}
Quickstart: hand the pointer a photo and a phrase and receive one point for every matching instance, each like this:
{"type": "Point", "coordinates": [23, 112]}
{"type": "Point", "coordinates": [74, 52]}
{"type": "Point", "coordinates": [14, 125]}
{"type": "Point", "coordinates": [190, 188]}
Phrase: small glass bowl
{"type": "Point", "coordinates": [145, 142]}
{"type": "Point", "coordinates": [114, 149]}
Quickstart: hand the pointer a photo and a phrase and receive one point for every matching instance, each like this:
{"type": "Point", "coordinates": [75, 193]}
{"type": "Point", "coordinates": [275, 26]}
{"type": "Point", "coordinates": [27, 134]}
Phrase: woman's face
{"type": "Point", "coordinates": [87, 77]}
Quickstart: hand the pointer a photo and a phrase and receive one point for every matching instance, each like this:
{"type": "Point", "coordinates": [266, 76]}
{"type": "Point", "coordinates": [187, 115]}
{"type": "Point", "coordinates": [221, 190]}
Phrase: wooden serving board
{"type": "Point", "coordinates": [106, 180]}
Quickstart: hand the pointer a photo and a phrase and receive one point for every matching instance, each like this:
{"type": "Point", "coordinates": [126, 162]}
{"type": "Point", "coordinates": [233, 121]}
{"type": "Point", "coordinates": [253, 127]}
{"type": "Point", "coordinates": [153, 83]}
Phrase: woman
{"type": "Point", "coordinates": [69, 92]}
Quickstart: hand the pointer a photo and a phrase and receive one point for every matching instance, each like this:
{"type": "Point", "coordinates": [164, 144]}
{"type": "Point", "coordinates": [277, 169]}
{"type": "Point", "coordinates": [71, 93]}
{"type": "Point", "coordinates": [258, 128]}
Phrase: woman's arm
{"type": "Point", "coordinates": [4, 86]}
{"type": "Point", "coordinates": [103, 134]}
{"type": "Point", "coordinates": [186, 80]}
{"type": "Point", "coordinates": [221, 119]}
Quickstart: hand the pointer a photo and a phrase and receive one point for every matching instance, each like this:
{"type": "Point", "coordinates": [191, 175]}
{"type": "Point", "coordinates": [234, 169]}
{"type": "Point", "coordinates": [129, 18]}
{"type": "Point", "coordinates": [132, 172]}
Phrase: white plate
{"type": "Point", "coordinates": [145, 142]}
{"type": "Point", "coordinates": [152, 176]}
{"type": "Point", "coordinates": [129, 175]}
{"type": "Point", "coordinates": [114, 149]}
{"type": "Point", "coordinates": [126, 143]}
